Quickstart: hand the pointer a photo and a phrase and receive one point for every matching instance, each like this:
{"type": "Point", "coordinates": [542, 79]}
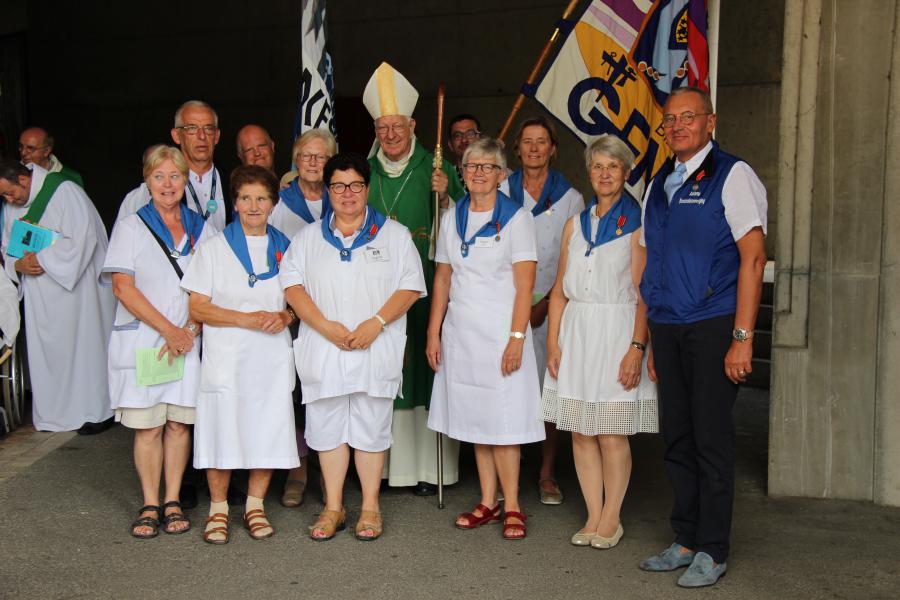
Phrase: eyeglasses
{"type": "Point", "coordinates": [396, 128]}
{"type": "Point", "coordinates": [195, 129]}
{"type": "Point", "coordinates": [486, 168]}
{"type": "Point", "coordinates": [30, 149]}
{"type": "Point", "coordinates": [308, 157]}
{"type": "Point", "coordinates": [686, 118]}
{"type": "Point", "coordinates": [469, 134]}
{"type": "Point", "coordinates": [355, 187]}
{"type": "Point", "coordinates": [611, 168]}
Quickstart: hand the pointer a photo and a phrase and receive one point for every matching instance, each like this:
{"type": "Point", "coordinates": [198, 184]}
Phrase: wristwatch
{"type": "Point", "coordinates": [381, 320]}
{"type": "Point", "coordinates": [742, 335]}
{"type": "Point", "coordinates": [192, 327]}
{"type": "Point", "coordinates": [517, 334]}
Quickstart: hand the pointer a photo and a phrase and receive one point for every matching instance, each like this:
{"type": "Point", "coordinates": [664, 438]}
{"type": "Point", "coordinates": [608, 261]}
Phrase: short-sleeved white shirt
{"type": "Point", "coordinates": [351, 292]}
{"type": "Point", "coordinates": [743, 197]}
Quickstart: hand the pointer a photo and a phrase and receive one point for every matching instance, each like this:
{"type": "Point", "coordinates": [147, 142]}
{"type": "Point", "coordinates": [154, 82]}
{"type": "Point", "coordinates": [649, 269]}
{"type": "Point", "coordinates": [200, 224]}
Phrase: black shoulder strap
{"type": "Point", "coordinates": [165, 249]}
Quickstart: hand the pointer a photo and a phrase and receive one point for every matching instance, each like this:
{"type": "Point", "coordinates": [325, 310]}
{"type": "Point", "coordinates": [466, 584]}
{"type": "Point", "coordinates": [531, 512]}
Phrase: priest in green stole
{"type": "Point", "coordinates": [402, 187]}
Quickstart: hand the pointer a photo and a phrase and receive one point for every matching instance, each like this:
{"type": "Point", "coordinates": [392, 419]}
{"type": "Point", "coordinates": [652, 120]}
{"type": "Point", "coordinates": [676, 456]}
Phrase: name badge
{"type": "Point", "coordinates": [377, 255]}
{"type": "Point", "coordinates": [484, 242]}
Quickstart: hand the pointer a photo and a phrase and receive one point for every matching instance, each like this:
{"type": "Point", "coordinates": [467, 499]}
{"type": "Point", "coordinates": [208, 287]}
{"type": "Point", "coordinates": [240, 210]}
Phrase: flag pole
{"type": "Point", "coordinates": [437, 164]}
{"type": "Point", "coordinates": [713, 8]}
{"type": "Point", "coordinates": [545, 53]}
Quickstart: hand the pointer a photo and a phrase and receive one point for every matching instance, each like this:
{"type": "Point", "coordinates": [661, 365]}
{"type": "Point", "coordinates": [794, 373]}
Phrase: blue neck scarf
{"type": "Point", "coordinates": [555, 188]}
{"type": "Point", "coordinates": [369, 230]}
{"type": "Point", "coordinates": [504, 209]}
{"type": "Point", "coordinates": [278, 243]}
{"type": "Point", "coordinates": [293, 198]}
{"type": "Point", "coordinates": [191, 221]}
{"type": "Point", "coordinates": [622, 218]}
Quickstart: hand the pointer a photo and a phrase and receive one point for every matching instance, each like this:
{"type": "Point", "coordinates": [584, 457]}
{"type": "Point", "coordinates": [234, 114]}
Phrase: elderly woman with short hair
{"type": "Point", "coordinates": [305, 199]}
{"type": "Point", "coordinates": [596, 384]}
{"type": "Point", "coordinates": [351, 280]}
{"type": "Point", "coordinates": [479, 340]}
{"type": "Point", "coordinates": [147, 254]}
{"type": "Point", "coordinates": [245, 414]}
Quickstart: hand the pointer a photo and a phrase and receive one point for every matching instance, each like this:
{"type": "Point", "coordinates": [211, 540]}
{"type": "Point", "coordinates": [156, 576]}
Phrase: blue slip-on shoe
{"type": "Point", "coordinates": [669, 559]}
{"type": "Point", "coordinates": [703, 571]}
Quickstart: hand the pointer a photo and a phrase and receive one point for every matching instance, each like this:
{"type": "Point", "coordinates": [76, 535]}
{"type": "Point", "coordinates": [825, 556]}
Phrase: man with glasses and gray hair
{"type": "Point", "coordinates": [36, 147]}
{"type": "Point", "coordinates": [196, 132]}
{"type": "Point", "coordinates": [404, 182]}
{"type": "Point", "coordinates": [704, 226]}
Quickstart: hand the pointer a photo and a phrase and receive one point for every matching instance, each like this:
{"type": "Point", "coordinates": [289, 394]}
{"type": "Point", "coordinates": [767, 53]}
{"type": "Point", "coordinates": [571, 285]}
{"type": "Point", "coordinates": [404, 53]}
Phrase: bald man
{"type": "Point", "coordinates": [36, 147]}
{"type": "Point", "coordinates": [255, 147]}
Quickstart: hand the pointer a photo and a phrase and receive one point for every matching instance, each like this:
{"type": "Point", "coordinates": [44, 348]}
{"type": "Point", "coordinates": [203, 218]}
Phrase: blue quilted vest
{"type": "Point", "coordinates": [692, 259]}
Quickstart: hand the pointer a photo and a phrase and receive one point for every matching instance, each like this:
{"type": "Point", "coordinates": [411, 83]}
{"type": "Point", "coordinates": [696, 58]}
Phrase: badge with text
{"type": "Point", "coordinates": [377, 255]}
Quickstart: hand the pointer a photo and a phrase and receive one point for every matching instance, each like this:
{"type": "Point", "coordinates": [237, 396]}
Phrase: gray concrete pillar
{"type": "Point", "coordinates": [835, 411]}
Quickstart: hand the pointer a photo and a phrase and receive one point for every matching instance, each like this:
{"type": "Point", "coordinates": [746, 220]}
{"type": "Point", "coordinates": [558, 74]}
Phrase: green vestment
{"type": "Point", "coordinates": [409, 199]}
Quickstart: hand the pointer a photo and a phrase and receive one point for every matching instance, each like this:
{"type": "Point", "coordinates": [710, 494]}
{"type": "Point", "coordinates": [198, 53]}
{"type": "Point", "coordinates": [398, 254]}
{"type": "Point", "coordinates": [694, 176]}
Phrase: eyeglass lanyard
{"type": "Point", "coordinates": [390, 211]}
{"type": "Point", "coordinates": [212, 196]}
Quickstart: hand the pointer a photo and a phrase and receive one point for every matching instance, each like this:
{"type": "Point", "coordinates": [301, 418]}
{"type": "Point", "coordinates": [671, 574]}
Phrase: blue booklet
{"type": "Point", "coordinates": [26, 237]}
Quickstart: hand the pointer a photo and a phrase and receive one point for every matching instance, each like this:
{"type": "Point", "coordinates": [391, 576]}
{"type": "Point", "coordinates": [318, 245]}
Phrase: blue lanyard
{"type": "Point", "coordinates": [211, 205]}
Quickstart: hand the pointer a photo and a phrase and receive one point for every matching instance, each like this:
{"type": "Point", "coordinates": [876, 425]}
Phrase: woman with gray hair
{"type": "Point", "coordinates": [305, 199]}
{"type": "Point", "coordinates": [486, 387]}
{"type": "Point", "coordinates": [596, 384]}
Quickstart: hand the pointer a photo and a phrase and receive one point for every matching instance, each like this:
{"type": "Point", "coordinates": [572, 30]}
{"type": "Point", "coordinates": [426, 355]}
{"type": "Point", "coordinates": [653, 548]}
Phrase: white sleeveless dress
{"type": "Point", "coordinates": [595, 333]}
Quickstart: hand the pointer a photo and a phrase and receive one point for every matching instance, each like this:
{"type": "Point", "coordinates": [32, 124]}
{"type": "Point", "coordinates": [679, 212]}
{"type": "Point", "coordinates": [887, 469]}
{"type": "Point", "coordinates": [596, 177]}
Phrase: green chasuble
{"type": "Point", "coordinates": [409, 199]}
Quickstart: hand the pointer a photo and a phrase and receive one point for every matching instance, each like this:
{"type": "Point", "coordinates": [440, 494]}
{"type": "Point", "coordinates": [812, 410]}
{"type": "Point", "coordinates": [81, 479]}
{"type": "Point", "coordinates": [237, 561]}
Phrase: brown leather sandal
{"type": "Point", "coordinates": [150, 522]}
{"type": "Point", "coordinates": [329, 523]}
{"type": "Point", "coordinates": [369, 520]}
{"type": "Point", "coordinates": [255, 520]}
{"type": "Point", "coordinates": [210, 531]}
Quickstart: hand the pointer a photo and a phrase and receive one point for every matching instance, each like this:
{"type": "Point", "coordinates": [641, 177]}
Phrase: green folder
{"type": "Point", "coordinates": [151, 371]}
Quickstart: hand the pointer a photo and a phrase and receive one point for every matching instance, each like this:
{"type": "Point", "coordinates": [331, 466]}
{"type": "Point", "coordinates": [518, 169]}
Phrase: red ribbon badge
{"type": "Point", "coordinates": [700, 175]}
{"type": "Point", "coordinates": [373, 230]}
{"type": "Point", "coordinates": [621, 221]}
{"type": "Point", "coordinates": [278, 256]}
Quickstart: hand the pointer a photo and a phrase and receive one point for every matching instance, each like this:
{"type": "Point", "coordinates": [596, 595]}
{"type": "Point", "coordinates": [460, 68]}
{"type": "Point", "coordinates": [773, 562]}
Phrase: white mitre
{"type": "Point", "coordinates": [389, 93]}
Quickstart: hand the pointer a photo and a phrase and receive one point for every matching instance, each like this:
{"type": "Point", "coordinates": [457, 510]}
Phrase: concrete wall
{"type": "Point", "coordinates": [105, 78]}
{"type": "Point", "coordinates": [835, 410]}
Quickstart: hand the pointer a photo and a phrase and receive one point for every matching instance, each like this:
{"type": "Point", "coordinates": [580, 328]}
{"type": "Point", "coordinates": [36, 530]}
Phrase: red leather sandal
{"type": "Point", "coordinates": [514, 531]}
{"type": "Point", "coordinates": [488, 515]}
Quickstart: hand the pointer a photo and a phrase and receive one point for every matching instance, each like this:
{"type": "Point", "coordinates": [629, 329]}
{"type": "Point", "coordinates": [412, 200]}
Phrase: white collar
{"type": "Point", "coordinates": [201, 176]}
{"type": "Point", "coordinates": [395, 168]}
{"type": "Point", "coordinates": [694, 162]}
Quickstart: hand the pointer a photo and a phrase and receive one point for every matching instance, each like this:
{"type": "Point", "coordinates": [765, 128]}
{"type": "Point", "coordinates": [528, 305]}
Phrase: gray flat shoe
{"type": "Point", "coordinates": [669, 559]}
{"type": "Point", "coordinates": [703, 571]}
{"type": "Point", "coordinates": [552, 496]}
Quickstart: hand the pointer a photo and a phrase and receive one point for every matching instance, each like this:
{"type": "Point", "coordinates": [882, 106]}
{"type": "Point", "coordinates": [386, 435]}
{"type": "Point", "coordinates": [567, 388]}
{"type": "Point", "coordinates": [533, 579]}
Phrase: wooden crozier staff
{"type": "Point", "coordinates": [435, 226]}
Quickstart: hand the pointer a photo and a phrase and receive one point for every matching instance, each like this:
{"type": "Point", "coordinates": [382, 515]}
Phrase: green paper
{"type": "Point", "coordinates": [151, 371]}
{"type": "Point", "coordinates": [535, 298]}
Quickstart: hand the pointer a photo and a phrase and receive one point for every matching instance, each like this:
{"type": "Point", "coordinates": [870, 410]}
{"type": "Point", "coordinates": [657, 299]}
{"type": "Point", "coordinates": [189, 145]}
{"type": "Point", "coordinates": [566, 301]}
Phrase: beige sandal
{"type": "Point", "coordinates": [328, 523]}
{"type": "Point", "coordinates": [255, 520]}
{"type": "Point", "coordinates": [369, 520]}
{"type": "Point", "coordinates": [221, 518]}
{"type": "Point", "coordinates": [293, 493]}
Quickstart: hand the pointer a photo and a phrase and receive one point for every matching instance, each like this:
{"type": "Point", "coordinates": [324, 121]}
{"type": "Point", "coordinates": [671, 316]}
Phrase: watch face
{"type": "Point", "coordinates": [741, 335]}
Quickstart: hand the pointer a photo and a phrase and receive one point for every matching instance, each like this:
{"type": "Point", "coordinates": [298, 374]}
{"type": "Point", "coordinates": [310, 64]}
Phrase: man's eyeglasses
{"type": "Point", "coordinates": [30, 149]}
{"type": "Point", "coordinates": [486, 168]}
{"type": "Point", "coordinates": [396, 128]}
{"type": "Point", "coordinates": [686, 118]}
{"type": "Point", "coordinates": [194, 129]}
{"type": "Point", "coordinates": [308, 157]}
{"type": "Point", "coordinates": [355, 187]}
{"type": "Point", "coordinates": [469, 134]}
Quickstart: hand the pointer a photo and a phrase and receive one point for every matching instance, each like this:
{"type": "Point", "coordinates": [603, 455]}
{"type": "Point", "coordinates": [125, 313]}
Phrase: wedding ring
{"type": "Point", "coordinates": [742, 372]}
{"type": "Point", "coordinates": [181, 349]}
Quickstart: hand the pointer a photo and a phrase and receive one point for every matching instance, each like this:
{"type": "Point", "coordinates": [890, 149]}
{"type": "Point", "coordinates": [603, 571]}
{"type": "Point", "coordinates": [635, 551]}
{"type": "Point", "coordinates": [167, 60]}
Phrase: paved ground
{"type": "Point", "coordinates": [64, 534]}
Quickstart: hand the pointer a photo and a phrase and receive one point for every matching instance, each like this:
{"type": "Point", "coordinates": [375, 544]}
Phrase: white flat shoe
{"type": "Point", "coordinates": [605, 543]}
{"type": "Point", "coordinates": [583, 539]}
